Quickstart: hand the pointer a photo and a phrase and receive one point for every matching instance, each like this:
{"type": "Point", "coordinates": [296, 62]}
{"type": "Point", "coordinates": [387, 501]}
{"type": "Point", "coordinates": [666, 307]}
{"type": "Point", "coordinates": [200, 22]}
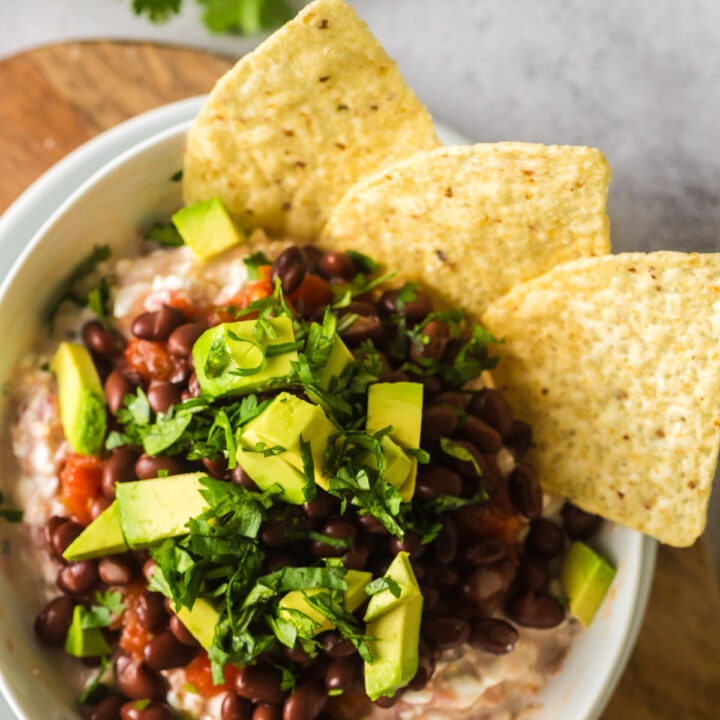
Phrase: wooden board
{"type": "Point", "coordinates": [55, 98]}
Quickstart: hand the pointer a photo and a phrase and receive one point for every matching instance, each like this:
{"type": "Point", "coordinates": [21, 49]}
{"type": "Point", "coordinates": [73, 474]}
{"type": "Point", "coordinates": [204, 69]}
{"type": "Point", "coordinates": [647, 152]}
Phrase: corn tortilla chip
{"type": "Point", "coordinates": [615, 361]}
{"type": "Point", "coordinates": [296, 122]}
{"type": "Point", "coordinates": [472, 221]}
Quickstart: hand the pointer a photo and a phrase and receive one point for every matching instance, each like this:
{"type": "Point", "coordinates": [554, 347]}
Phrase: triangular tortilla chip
{"type": "Point", "coordinates": [615, 362]}
{"type": "Point", "coordinates": [296, 122]}
{"type": "Point", "coordinates": [472, 221]}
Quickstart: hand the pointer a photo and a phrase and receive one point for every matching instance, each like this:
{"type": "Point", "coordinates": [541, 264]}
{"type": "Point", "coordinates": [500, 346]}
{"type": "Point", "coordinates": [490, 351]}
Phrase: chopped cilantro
{"type": "Point", "coordinates": [96, 690]}
{"type": "Point", "coordinates": [459, 452]}
{"type": "Point", "coordinates": [165, 234]}
{"type": "Point", "coordinates": [383, 583]}
{"type": "Point", "coordinates": [364, 263]}
{"type": "Point", "coordinates": [254, 263]}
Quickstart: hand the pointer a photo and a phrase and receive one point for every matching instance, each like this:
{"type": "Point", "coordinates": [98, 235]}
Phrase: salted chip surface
{"type": "Point", "coordinates": [296, 122]}
{"type": "Point", "coordinates": [470, 222]}
{"type": "Point", "coordinates": [615, 362]}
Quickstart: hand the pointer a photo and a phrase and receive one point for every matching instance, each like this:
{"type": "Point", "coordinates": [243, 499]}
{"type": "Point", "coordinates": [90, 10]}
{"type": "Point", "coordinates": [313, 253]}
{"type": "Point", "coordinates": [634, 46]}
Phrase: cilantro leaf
{"type": "Point", "coordinates": [383, 583]}
{"type": "Point", "coordinates": [96, 690]}
{"type": "Point", "coordinates": [113, 601]}
{"type": "Point", "coordinates": [254, 263]}
{"type": "Point", "coordinates": [363, 262]}
{"type": "Point", "coordinates": [165, 234]}
{"type": "Point", "coordinates": [245, 16]}
{"type": "Point", "coordinates": [98, 299]}
{"type": "Point", "coordinates": [12, 516]}
{"type": "Point", "coordinates": [459, 452]}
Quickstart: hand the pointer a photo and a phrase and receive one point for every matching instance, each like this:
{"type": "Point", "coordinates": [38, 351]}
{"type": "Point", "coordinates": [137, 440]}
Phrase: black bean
{"type": "Point", "coordinates": [98, 506]}
{"type": "Point", "coordinates": [436, 336]}
{"type": "Point", "coordinates": [478, 432]}
{"type": "Point", "coordinates": [387, 702]}
{"type": "Point", "coordinates": [183, 338]}
{"type": "Point", "coordinates": [180, 374]}
{"type": "Point", "coordinates": [194, 386]}
{"type": "Point", "coordinates": [533, 573]}
{"type": "Point", "coordinates": [150, 610]}
{"type": "Point", "coordinates": [298, 654]}
{"type": "Point", "coordinates": [431, 385]}
{"type": "Point", "coordinates": [411, 544]}
{"type": "Point", "coordinates": [78, 577]}
{"type": "Point", "coordinates": [486, 581]}
{"type": "Point", "coordinates": [118, 468]}
{"type": "Point", "coordinates": [578, 524]}
{"type": "Point", "coordinates": [446, 632]}
{"type": "Point", "coordinates": [116, 570]}
{"type": "Point", "coordinates": [148, 466]}
{"type": "Point", "coordinates": [357, 307]}
{"type": "Point", "coordinates": [49, 530]}
{"type": "Point", "coordinates": [493, 635]}
{"type": "Point", "coordinates": [434, 480]}
{"type": "Point", "coordinates": [277, 560]}
{"type": "Point", "coordinates": [336, 646]}
{"type": "Point", "coordinates": [394, 377]}
{"type": "Point", "coordinates": [267, 712]}
{"type": "Point", "coordinates": [431, 595]}
{"type": "Point", "coordinates": [162, 395]}
{"type": "Point", "coordinates": [437, 421]}
{"type": "Point", "coordinates": [342, 673]}
{"type": "Point", "coordinates": [545, 539]}
{"type": "Point", "coordinates": [289, 267]}
{"type": "Point", "coordinates": [491, 406]}
{"type": "Point", "coordinates": [426, 668]}
{"type": "Point", "coordinates": [217, 468]}
{"type": "Point", "coordinates": [235, 708]}
{"type": "Point", "coordinates": [313, 256]}
{"type": "Point", "coordinates": [532, 609]}
{"type": "Point", "coordinates": [108, 709]}
{"type": "Point", "coordinates": [100, 339]}
{"type": "Point", "coordinates": [159, 324]}
{"type": "Point", "coordinates": [451, 397]}
{"type": "Point", "coordinates": [372, 525]}
{"type": "Point", "coordinates": [413, 310]}
{"type": "Point", "coordinates": [165, 651]}
{"type": "Point", "coordinates": [322, 506]}
{"type": "Point", "coordinates": [306, 703]}
{"type": "Point", "coordinates": [260, 684]}
{"type": "Point", "coordinates": [336, 265]}
{"type": "Point", "coordinates": [181, 633]}
{"type": "Point", "coordinates": [363, 328]}
{"type": "Point", "coordinates": [151, 711]}
{"type": "Point", "coordinates": [137, 681]}
{"type": "Point", "coordinates": [525, 492]}
{"type": "Point", "coordinates": [275, 533]}
{"type": "Point", "coordinates": [519, 440]}
{"type": "Point", "coordinates": [443, 575]}
{"type": "Point", "coordinates": [445, 546]}
{"type": "Point", "coordinates": [356, 557]}
{"type": "Point", "coordinates": [117, 386]}
{"type": "Point", "coordinates": [240, 477]}
{"type": "Point", "coordinates": [53, 622]}
{"type": "Point", "coordinates": [485, 552]}
{"type": "Point", "coordinates": [339, 530]}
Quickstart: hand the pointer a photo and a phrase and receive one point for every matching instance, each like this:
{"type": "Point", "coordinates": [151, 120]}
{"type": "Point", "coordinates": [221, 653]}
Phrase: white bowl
{"type": "Point", "coordinates": [128, 193]}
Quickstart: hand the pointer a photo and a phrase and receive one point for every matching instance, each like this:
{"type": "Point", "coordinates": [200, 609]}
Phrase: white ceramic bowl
{"type": "Point", "coordinates": [109, 207]}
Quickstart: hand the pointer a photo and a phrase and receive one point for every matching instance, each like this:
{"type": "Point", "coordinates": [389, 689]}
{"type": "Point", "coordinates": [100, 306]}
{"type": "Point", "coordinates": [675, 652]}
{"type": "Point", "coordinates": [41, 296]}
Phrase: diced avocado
{"type": "Point", "coordinates": [207, 228]}
{"type": "Point", "coordinates": [354, 597]}
{"type": "Point", "coordinates": [285, 421]}
{"type": "Point", "coordinates": [224, 352]}
{"type": "Point", "coordinates": [408, 487]}
{"type": "Point", "coordinates": [81, 398]}
{"type": "Point", "coordinates": [103, 536]}
{"type": "Point", "coordinates": [151, 510]}
{"type": "Point", "coordinates": [586, 577]}
{"type": "Point", "coordinates": [401, 572]}
{"type": "Point", "coordinates": [84, 642]}
{"type": "Point", "coordinates": [273, 470]}
{"type": "Point", "coordinates": [397, 464]}
{"type": "Point", "coordinates": [338, 359]}
{"type": "Point", "coordinates": [394, 648]}
{"type": "Point", "coordinates": [400, 405]}
{"type": "Point", "coordinates": [200, 621]}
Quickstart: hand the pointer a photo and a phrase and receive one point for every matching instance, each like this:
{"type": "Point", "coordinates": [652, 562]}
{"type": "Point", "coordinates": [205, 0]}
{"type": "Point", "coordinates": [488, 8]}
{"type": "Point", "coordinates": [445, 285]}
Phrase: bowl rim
{"type": "Point", "coordinates": [166, 114]}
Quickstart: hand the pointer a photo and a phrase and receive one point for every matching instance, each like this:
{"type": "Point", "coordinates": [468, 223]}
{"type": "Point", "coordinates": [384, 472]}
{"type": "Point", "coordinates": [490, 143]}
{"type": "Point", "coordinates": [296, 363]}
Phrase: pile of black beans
{"type": "Point", "coordinates": [488, 571]}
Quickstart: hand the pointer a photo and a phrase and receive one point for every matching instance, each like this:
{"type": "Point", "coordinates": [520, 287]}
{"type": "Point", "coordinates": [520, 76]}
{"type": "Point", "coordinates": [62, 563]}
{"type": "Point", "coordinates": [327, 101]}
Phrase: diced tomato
{"type": "Point", "coordinates": [80, 484]}
{"type": "Point", "coordinates": [182, 303]}
{"type": "Point", "coordinates": [134, 637]}
{"type": "Point", "coordinates": [199, 675]}
{"type": "Point", "coordinates": [314, 292]}
{"type": "Point", "coordinates": [149, 359]}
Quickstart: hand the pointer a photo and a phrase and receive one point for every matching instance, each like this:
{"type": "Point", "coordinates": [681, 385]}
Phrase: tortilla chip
{"type": "Point", "coordinates": [296, 122]}
{"type": "Point", "coordinates": [615, 362]}
{"type": "Point", "coordinates": [472, 221]}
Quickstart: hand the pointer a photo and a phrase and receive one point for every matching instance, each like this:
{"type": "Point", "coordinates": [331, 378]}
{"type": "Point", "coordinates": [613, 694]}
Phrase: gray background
{"type": "Point", "coordinates": [638, 78]}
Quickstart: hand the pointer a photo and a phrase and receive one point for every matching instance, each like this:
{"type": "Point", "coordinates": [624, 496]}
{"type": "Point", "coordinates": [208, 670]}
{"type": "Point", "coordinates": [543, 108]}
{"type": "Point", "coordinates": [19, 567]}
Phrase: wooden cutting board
{"type": "Point", "coordinates": [55, 98]}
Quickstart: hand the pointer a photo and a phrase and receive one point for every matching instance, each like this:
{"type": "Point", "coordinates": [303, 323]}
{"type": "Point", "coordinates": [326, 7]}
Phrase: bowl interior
{"type": "Point", "coordinates": [111, 207]}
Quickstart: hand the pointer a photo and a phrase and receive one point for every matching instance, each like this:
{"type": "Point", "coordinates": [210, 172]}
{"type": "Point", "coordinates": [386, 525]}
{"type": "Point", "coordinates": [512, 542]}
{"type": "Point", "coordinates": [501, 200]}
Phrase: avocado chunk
{"type": "Point", "coordinates": [399, 405]}
{"type": "Point", "coordinates": [84, 641]}
{"type": "Point", "coordinates": [394, 648]}
{"type": "Point", "coordinates": [272, 470]}
{"type": "Point", "coordinates": [152, 510]}
{"type": "Point", "coordinates": [398, 465]}
{"type": "Point", "coordinates": [354, 597]}
{"type": "Point", "coordinates": [200, 620]}
{"type": "Point", "coordinates": [207, 228]}
{"type": "Point", "coordinates": [103, 536]}
{"type": "Point", "coordinates": [401, 572]}
{"type": "Point", "coordinates": [338, 359]}
{"type": "Point", "coordinates": [81, 398]}
{"type": "Point", "coordinates": [586, 577]}
{"type": "Point", "coordinates": [284, 422]}
{"type": "Point", "coordinates": [227, 355]}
